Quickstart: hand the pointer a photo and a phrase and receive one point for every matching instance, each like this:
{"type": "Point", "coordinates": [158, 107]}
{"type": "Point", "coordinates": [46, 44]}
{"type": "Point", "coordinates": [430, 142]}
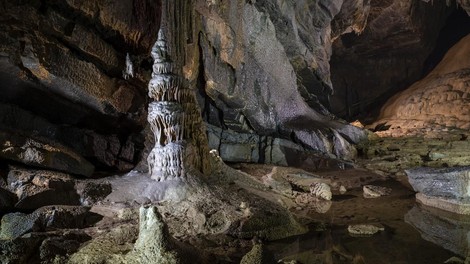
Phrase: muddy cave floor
{"type": "Point", "coordinates": [242, 204]}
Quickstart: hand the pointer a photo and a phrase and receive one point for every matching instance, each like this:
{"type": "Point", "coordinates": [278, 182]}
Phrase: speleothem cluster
{"type": "Point", "coordinates": [175, 120]}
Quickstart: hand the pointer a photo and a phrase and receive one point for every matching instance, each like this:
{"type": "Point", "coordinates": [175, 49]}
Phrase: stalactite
{"type": "Point", "coordinates": [174, 115]}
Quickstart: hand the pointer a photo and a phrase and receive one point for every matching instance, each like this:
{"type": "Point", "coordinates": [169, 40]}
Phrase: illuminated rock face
{"type": "Point", "coordinates": [175, 120]}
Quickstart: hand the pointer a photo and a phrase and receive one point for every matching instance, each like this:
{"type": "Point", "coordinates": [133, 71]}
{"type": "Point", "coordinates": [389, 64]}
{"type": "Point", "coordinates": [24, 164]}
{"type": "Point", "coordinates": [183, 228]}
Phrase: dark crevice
{"type": "Point", "coordinates": [208, 103]}
{"type": "Point", "coordinates": [457, 26]}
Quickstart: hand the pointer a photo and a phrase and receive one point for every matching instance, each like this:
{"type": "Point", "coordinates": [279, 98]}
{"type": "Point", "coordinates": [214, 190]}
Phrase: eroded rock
{"type": "Point", "coordinates": [37, 188]}
{"type": "Point", "coordinates": [35, 153]}
{"type": "Point", "coordinates": [364, 230]}
{"type": "Point", "coordinates": [15, 225]}
{"type": "Point", "coordinates": [372, 191]}
{"type": "Point", "coordinates": [154, 244]}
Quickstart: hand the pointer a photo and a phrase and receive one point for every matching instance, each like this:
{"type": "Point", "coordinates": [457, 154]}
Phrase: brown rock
{"type": "Point", "coordinates": [33, 152]}
{"type": "Point", "coordinates": [35, 188]}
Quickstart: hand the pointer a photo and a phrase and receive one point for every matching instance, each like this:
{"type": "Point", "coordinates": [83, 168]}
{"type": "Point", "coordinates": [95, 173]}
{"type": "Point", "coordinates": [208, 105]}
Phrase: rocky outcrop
{"type": "Point", "coordinates": [387, 57]}
{"type": "Point", "coordinates": [35, 188]}
{"type": "Point", "coordinates": [252, 148]}
{"type": "Point", "coordinates": [439, 101]}
{"type": "Point", "coordinates": [63, 78]}
{"type": "Point", "coordinates": [15, 225]}
{"type": "Point", "coordinates": [258, 255]}
{"type": "Point", "coordinates": [34, 153]}
{"type": "Point", "coordinates": [445, 188]}
{"type": "Point", "coordinates": [259, 63]}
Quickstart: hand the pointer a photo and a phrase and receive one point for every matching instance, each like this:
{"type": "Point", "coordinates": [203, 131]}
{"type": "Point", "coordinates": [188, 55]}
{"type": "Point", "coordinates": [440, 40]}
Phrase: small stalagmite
{"type": "Point", "coordinates": [175, 120]}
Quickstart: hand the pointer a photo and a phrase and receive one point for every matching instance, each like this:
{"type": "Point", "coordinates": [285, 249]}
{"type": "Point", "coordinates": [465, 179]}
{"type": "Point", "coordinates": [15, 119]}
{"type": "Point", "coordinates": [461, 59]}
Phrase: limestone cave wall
{"type": "Point", "coordinates": [262, 69]}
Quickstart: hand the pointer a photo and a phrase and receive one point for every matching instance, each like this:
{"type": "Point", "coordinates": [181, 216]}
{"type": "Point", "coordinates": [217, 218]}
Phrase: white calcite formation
{"type": "Point", "coordinates": [175, 120]}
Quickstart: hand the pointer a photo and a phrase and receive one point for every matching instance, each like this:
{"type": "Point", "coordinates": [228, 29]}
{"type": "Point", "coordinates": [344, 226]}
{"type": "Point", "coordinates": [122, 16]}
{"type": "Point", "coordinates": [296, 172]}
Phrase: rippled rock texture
{"type": "Point", "coordinates": [60, 69]}
{"type": "Point", "coordinates": [438, 101]}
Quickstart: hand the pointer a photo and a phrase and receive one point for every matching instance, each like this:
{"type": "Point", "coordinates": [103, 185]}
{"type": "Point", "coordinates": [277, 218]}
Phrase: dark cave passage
{"type": "Point", "coordinates": [456, 27]}
{"type": "Point", "coordinates": [370, 68]}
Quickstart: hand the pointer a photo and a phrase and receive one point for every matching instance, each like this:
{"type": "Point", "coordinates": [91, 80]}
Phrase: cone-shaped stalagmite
{"type": "Point", "coordinates": [175, 120]}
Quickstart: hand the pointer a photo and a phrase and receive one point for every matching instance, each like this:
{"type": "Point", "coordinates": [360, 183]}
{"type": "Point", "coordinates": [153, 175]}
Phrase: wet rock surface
{"type": "Point", "coordinates": [442, 228]}
{"type": "Point", "coordinates": [371, 191]}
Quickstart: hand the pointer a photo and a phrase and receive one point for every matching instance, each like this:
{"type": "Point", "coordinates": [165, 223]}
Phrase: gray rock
{"type": "Point", "coordinates": [35, 153]}
{"type": "Point", "coordinates": [15, 225]}
{"type": "Point", "coordinates": [276, 88]}
{"type": "Point", "coordinates": [238, 147]}
{"type": "Point", "coordinates": [37, 188]}
{"type": "Point", "coordinates": [92, 192]}
{"type": "Point", "coordinates": [246, 147]}
{"type": "Point", "coordinates": [103, 150]}
{"type": "Point", "coordinates": [452, 183]}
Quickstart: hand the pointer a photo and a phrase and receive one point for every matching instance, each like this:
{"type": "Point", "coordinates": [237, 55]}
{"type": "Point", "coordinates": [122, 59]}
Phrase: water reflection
{"type": "Point", "coordinates": [448, 230]}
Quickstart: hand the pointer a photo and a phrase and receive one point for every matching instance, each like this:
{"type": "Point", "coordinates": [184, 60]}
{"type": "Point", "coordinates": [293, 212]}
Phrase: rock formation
{"type": "Point", "coordinates": [175, 120]}
{"type": "Point", "coordinates": [443, 188]}
{"type": "Point", "coordinates": [437, 102]}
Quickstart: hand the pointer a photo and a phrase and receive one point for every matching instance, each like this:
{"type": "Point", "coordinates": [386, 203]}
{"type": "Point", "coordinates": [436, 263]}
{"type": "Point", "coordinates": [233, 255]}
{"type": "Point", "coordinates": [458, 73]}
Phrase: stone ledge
{"type": "Point", "coordinates": [451, 205]}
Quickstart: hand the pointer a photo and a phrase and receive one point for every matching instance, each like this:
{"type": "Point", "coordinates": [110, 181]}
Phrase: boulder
{"type": "Point", "coordinates": [32, 152]}
{"type": "Point", "coordinates": [92, 192]}
{"type": "Point", "coordinates": [451, 183]}
{"type": "Point", "coordinates": [15, 225]}
{"type": "Point", "coordinates": [443, 188]}
{"type": "Point", "coordinates": [37, 188]}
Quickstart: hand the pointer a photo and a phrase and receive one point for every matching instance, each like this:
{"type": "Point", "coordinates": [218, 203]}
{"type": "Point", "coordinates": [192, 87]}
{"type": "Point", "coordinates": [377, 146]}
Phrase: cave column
{"type": "Point", "coordinates": [175, 118]}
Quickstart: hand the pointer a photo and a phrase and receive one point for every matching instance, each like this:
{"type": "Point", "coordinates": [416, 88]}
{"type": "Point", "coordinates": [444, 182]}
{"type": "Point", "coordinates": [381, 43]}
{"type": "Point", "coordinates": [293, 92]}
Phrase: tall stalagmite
{"type": "Point", "coordinates": [175, 119]}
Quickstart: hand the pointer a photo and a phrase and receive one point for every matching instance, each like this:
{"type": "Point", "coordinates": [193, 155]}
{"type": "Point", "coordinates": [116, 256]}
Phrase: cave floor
{"type": "Point", "coordinates": [328, 240]}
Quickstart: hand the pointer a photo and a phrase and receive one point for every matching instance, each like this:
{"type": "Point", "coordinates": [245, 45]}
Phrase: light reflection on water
{"type": "Point", "coordinates": [413, 233]}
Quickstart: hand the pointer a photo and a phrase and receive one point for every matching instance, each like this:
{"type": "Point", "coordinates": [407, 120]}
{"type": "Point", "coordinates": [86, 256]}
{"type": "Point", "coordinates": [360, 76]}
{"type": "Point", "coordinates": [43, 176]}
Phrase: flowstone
{"type": "Point", "coordinates": [175, 120]}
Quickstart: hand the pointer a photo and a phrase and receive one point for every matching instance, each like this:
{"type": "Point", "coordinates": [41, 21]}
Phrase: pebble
{"type": "Point", "coordinates": [371, 191]}
{"type": "Point", "coordinates": [364, 230]}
